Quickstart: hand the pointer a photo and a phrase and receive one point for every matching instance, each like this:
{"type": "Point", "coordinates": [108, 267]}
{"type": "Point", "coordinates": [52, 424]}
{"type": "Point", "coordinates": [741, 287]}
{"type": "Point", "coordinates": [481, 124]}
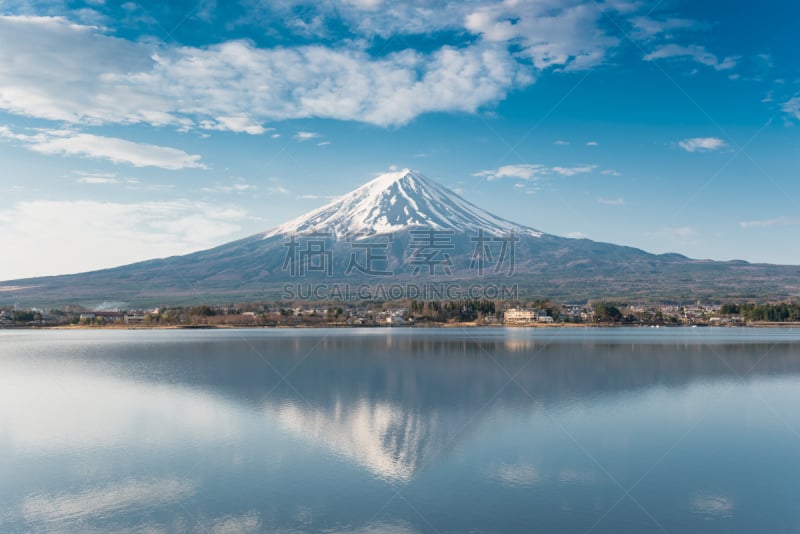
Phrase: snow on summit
{"type": "Point", "coordinates": [396, 201]}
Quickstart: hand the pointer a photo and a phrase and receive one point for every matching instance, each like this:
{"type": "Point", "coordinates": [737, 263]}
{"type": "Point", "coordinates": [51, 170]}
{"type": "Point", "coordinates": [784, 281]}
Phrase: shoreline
{"type": "Point", "coordinates": [402, 327]}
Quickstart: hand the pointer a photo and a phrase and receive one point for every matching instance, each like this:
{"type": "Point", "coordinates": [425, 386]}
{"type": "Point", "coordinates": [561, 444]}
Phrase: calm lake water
{"type": "Point", "coordinates": [400, 430]}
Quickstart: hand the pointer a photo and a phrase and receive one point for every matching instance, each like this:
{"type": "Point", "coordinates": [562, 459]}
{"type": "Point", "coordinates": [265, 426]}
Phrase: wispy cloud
{"type": "Point", "coordinates": [527, 171]}
{"type": "Point", "coordinates": [114, 149]}
{"type": "Point", "coordinates": [791, 106]}
{"type": "Point", "coordinates": [96, 178]}
{"type": "Point", "coordinates": [619, 201]}
{"type": "Point", "coordinates": [136, 185]}
{"type": "Point", "coordinates": [48, 229]}
{"type": "Point", "coordinates": [277, 190]}
{"type": "Point", "coordinates": [118, 151]}
{"type": "Point", "coordinates": [646, 27]}
{"type": "Point", "coordinates": [572, 171]}
{"type": "Point", "coordinates": [561, 142]}
{"type": "Point", "coordinates": [702, 144]}
{"type": "Point", "coordinates": [592, 143]}
{"type": "Point", "coordinates": [306, 136]}
{"type": "Point", "coordinates": [610, 172]}
{"type": "Point", "coordinates": [694, 52]}
{"type": "Point", "coordinates": [573, 41]}
{"type": "Point", "coordinates": [770, 223]}
{"type": "Point", "coordinates": [532, 171]}
{"type": "Point", "coordinates": [236, 187]}
{"type": "Point", "coordinates": [235, 123]}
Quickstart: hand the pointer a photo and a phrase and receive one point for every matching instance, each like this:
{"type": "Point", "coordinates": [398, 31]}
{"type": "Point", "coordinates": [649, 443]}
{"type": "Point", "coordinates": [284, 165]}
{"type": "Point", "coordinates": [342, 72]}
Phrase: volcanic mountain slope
{"type": "Point", "coordinates": [404, 227]}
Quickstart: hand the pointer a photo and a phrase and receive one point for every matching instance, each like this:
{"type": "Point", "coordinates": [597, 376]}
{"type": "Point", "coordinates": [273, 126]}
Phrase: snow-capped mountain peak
{"type": "Point", "coordinates": [396, 201]}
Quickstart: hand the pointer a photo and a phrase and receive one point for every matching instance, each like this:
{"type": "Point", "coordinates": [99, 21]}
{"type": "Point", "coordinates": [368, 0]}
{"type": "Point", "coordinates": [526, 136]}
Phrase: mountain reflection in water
{"type": "Point", "coordinates": [389, 403]}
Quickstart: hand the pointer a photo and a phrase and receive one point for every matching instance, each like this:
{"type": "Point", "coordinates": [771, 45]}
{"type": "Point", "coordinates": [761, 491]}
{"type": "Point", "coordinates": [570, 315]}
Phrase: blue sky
{"type": "Point", "coordinates": [137, 130]}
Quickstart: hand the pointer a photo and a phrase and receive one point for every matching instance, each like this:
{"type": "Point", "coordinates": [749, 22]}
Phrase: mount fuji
{"type": "Point", "coordinates": [395, 202]}
{"type": "Point", "coordinates": [402, 227]}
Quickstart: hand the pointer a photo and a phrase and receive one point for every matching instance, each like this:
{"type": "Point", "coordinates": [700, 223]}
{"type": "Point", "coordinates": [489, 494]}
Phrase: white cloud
{"type": "Point", "coordinates": [71, 143]}
{"type": "Point", "coordinates": [694, 52]}
{"type": "Point", "coordinates": [305, 136]}
{"type": "Point", "coordinates": [237, 123]}
{"type": "Point", "coordinates": [646, 27]}
{"type": "Point", "coordinates": [769, 223]}
{"type": "Point", "coordinates": [563, 33]}
{"type": "Point", "coordinates": [368, 5]}
{"type": "Point", "coordinates": [323, 143]}
{"type": "Point", "coordinates": [532, 171]}
{"type": "Point", "coordinates": [96, 178]}
{"type": "Point", "coordinates": [118, 151]}
{"type": "Point", "coordinates": [561, 142]}
{"type": "Point", "coordinates": [550, 34]}
{"type": "Point", "coordinates": [592, 143]}
{"type": "Point", "coordinates": [619, 201]}
{"type": "Point", "coordinates": [572, 171]}
{"type": "Point", "coordinates": [236, 187]}
{"type": "Point", "coordinates": [792, 106]}
{"type": "Point", "coordinates": [526, 171]}
{"type": "Point", "coordinates": [702, 144]}
{"type": "Point", "coordinates": [610, 172]}
{"type": "Point", "coordinates": [53, 69]}
{"type": "Point", "coordinates": [86, 235]}
{"type": "Point", "coordinates": [56, 69]}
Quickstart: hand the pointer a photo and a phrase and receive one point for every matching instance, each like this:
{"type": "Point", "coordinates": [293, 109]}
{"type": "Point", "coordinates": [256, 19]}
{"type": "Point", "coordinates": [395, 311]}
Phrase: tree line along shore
{"type": "Point", "coordinates": [544, 313]}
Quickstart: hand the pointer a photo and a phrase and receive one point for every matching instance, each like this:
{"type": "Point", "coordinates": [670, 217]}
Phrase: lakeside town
{"type": "Point", "coordinates": [409, 313]}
